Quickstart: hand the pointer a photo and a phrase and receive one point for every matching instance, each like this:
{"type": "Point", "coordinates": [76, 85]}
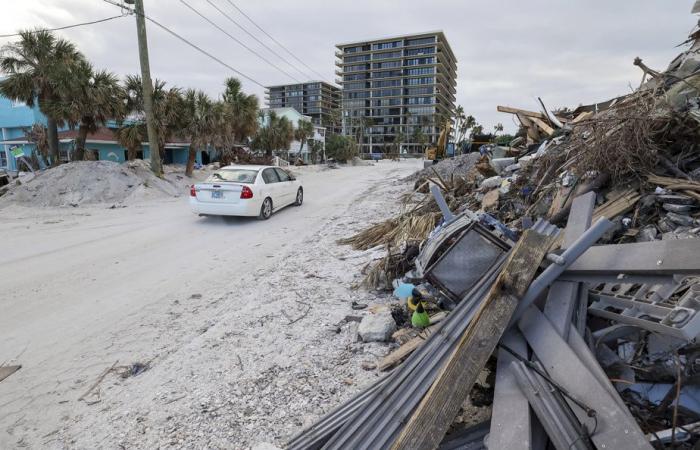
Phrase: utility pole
{"type": "Point", "coordinates": [147, 86]}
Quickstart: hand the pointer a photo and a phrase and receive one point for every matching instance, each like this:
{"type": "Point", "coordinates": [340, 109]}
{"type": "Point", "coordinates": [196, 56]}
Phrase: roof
{"type": "Point", "coordinates": [332, 85]}
{"type": "Point", "coordinates": [386, 38]}
{"type": "Point", "coordinates": [106, 135]}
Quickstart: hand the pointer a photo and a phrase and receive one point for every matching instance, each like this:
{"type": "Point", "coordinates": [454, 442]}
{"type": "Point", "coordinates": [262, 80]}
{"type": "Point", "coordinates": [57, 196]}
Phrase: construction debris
{"type": "Point", "coordinates": [573, 260]}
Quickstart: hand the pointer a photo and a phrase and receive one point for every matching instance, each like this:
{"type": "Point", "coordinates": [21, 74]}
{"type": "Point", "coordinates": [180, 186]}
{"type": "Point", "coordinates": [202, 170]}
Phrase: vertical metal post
{"type": "Point", "coordinates": [147, 85]}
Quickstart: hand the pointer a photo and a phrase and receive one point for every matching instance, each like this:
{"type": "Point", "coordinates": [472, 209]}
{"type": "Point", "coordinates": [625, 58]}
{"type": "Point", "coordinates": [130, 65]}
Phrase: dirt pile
{"type": "Point", "coordinates": [95, 182]}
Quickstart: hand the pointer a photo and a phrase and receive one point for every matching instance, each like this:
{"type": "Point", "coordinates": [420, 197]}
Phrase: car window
{"type": "Point", "coordinates": [270, 176]}
{"type": "Point", "coordinates": [284, 176]}
{"type": "Point", "coordinates": [233, 175]}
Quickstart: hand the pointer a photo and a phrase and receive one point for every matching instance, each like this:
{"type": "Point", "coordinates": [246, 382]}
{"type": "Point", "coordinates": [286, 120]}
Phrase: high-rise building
{"type": "Point", "coordinates": [397, 92]}
{"type": "Point", "coordinates": [316, 99]}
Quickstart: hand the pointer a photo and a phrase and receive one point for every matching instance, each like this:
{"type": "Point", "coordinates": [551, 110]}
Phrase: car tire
{"type": "Point", "coordinates": [300, 197]}
{"type": "Point", "coordinates": [265, 209]}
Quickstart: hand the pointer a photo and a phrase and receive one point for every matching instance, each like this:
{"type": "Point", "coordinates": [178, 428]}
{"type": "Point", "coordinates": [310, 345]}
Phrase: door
{"type": "Point", "coordinates": [287, 187]}
{"type": "Point", "coordinates": [272, 186]}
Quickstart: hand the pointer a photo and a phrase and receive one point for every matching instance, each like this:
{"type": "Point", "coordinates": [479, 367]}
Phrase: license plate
{"type": "Point", "coordinates": [217, 194]}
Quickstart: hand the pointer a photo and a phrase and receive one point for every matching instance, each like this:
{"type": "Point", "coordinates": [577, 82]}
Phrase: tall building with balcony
{"type": "Point", "coordinates": [397, 92]}
{"type": "Point", "coordinates": [316, 99]}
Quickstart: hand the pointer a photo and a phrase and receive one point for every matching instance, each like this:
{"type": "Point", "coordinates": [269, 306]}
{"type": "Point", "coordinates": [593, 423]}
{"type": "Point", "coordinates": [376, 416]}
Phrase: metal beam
{"type": "Point", "coordinates": [615, 429]}
{"type": "Point", "coordinates": [679, 257]}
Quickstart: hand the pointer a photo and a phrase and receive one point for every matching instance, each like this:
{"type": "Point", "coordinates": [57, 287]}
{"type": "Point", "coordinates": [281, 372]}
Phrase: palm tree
{"type": "Point", "coordinates": [242, 111]}
{"type": "Point", "coordinates": [276, 134]}
{"type": "Point", "coordinates": [304, 131]}
{"type": "Point", "coordinates": [167, 107]}
{"type": "Point", "coordinates": [131, 136]}
{"type": "Point", "coordinates": [90, 100]}
{"type": "Point", "coordinates": [198, 123]}
{"type": "Point", "coordinates": [37, 69]}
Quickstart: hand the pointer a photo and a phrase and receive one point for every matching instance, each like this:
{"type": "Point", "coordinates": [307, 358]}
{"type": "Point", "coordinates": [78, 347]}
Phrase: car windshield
{"type": "Point", "coordinates": [233, 175]}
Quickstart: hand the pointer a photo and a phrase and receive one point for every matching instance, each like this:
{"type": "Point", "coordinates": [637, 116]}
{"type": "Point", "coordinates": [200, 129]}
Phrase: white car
{"type": "Point", "coordinates": [246, 191]}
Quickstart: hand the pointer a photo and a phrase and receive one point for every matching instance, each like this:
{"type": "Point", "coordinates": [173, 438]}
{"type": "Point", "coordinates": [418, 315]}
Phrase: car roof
{"type": "Point", "coordinates": [245, 167]}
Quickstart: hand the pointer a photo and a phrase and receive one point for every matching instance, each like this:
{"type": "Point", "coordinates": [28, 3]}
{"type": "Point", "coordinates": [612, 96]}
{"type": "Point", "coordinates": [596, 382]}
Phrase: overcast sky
{"type": "Point", "coordinates": [509, 52]}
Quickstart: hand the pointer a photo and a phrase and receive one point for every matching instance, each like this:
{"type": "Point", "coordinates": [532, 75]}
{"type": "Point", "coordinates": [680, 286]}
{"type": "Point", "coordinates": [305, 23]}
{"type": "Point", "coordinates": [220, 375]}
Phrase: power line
{"type": "Point", "coordinates": [194, 46]}
{"type": "Point", "coordinates": [273, 39]}
{"type": "Point", "coordinates": [256, 39]}
{"type": "Point", "coordinates": [63, 28]}
{"type": "Point", "coordinates": [239, 42]}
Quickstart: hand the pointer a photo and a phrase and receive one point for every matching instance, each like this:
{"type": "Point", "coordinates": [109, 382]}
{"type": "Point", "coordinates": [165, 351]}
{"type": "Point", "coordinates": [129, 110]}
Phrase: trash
{"type": "Point", "coordinates": [6, 371]}
{"type": "Point", "coordinates": [420, 318]}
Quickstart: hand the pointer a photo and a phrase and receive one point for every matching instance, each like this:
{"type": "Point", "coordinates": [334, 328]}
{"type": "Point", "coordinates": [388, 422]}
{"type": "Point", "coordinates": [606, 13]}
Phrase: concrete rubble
{"type": "Point", "coordinates": [568, 272]}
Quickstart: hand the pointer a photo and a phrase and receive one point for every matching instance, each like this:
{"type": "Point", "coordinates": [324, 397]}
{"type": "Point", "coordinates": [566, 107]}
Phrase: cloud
{"type": "Point", "coordinates": [508, 51]}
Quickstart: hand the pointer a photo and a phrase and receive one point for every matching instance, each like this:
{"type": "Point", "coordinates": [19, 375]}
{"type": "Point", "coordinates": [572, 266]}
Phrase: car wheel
{"type": "Point", "coordinates": [300, 197]}
{"type": "Point", "coordinates": [265, 209]}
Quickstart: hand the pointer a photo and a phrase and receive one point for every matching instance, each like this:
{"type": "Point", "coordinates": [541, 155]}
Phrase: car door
{"type": "Point", "coordinates": [272, 187]}
{"type": "Point", "coordinates": [287, 187]}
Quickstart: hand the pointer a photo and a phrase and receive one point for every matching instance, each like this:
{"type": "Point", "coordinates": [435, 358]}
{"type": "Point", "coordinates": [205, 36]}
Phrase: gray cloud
{"type": "Point", "coordinates": [509, 51]}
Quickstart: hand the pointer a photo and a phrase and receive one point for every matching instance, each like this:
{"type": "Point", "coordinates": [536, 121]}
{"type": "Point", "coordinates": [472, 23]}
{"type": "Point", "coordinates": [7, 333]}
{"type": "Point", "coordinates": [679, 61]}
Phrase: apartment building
{"type": "Point", "coordinates": [316, 99]}
{"type": "Point", "coordinates": [397, 91]}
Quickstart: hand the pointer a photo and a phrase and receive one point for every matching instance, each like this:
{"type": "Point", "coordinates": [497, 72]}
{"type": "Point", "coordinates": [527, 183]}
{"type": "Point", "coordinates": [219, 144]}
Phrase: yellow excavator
{"type": "Point", "coordinates": [439, 151]}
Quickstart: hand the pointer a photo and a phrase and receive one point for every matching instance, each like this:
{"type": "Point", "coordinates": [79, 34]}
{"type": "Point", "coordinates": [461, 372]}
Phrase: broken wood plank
{"type": "Point", "coordinates": [533, 135]}
{"type": "Point", "coordinates": [6, 371]}
{"type": "Point", "coordinates": [583, 116]}
{"type": "Point", "coordinates": [541, 123]}
{"type": "Point", "coordinates": [397, 356]}
{"type": "Point", "coordinates": [427, 425]}
{"type": "Point", "coordinates": [525, 112]}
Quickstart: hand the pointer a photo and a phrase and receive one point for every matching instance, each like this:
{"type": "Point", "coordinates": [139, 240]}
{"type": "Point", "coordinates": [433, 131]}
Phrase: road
{"type": "Point", "coordinates": [82, 288]}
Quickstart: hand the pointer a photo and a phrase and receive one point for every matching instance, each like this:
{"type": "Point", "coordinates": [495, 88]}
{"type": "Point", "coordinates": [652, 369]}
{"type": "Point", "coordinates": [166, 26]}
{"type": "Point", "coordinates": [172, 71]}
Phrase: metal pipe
{"type": "Point", "coordinates": [442, 204]}
{"type": "Point", "coordinates": [551, 273]}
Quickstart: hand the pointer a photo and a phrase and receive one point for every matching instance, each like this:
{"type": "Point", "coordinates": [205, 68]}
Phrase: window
{"type": "Point", "coordinates": [233, 175]}
{"type": "Point", "coordinates": [283, 176]}
{"type": "Point", "coordinates": [270, 176]}
{"type": "Point", "coordinates": [349, 59]}
{"type": "Point", "coordinates": [420, 90]}
{"type": "Point", "coordinates": [384, 45]}
{"type": "Point", "coordinates": [419, 51]}
{"type": "Point", "coordinates": [355, 76]}
{"type": "Point", "coordinates": [420, 71]}
{"type": "Point", "coordinates": [420, 61]}
{"type": "Point", "coordinates": [386, 93]}
{"type": "Point", "coordinates": [421, 110]}
{"type": "Point", "coordinates": [387, 102]}
{"type": "Point", "coordinates": [386, 74]}
{"type": "Point", "coordinates": [3, 158]}
{"type": "Point", "coordinates": [420, 101]}
{"type": "Point", "coordinates": [421, 41]}
{"type": "Point", "coordinates": [355, 94]}
{"type": "Point", "coordinates": [356, 68]}
{"type": "Point", "coordinates": [422, 80]}
{"type": "Point", "coordinates": [352, 49]}
{"type": "Point", "coordinates": [387, 55]}
{"type": "Point", "coordinates": [356, 85]}
{"type": "Point", "coordinates": [386, 65]}
{"type": "Point", "coordinates": [386, 83]}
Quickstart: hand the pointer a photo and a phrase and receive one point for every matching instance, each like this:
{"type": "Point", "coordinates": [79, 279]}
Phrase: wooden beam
{"type": "Point", "coordinates": [401, 353]}
{"type": "Point", "coordinates": [6, 371]}
{"type": "Point", "coordinates": [533, 134]}
{"type": "Point", "coordinates": [583, 116]}
{"type": "Point", "coordinates": [540, 123]}
{"type": "Point", "coordinates": [525, 112]}
{"type": "Point", "coordinates": [426, 427]}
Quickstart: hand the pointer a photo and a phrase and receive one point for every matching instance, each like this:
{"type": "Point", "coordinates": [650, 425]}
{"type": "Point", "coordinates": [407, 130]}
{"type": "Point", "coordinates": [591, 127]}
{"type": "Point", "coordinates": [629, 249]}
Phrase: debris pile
{"type": "Point", "coordinates": [550, 295]}
{"type": "Point", "coordinates": [95, 182]}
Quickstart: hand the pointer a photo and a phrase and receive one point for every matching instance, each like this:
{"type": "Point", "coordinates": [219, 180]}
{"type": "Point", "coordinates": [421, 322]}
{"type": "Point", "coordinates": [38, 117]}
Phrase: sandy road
{"type": "Point", "coordinates": [82, 287]}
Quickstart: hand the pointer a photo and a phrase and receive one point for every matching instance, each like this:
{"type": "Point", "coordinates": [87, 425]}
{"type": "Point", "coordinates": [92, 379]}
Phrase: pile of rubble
{"type": "Point", "coordinates": [555, 284]}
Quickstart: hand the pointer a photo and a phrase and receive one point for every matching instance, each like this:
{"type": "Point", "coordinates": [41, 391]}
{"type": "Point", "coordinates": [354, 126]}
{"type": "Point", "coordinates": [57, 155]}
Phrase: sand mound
{"type": "Point", "coordinates": [94, 182]}
{"type": "Point", "coordinates": [458, 165]}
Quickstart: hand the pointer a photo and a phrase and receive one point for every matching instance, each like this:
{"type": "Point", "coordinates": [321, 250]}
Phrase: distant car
{"type": "Point", "coordinates": [253, 191]}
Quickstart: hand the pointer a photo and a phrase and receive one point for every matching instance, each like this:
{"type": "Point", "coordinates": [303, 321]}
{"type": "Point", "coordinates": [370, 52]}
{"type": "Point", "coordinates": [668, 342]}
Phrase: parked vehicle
{"type": "Point", "coordinates": [246, 191]}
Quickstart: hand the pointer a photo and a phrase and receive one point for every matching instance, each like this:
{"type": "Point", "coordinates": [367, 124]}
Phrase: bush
{"type": "Point", "coordinates": [341, 148]}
